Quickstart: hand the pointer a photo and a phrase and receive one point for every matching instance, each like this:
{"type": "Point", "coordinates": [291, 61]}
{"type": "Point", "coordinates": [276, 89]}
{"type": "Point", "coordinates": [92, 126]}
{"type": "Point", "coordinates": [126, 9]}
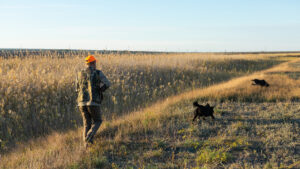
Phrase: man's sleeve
{"type": "Point", "coordinates": [104, 80]}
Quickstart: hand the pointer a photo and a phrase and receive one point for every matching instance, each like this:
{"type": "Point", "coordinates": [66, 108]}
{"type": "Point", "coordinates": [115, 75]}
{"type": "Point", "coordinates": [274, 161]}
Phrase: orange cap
{"type": "Point", "coordinates": [90, 59]}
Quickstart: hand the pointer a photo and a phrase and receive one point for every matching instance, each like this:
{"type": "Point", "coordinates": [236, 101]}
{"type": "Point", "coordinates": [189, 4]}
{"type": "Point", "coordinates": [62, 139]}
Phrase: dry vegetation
{"type": "Point", "coordinates": [38, 91]}
{"type": "Point", "coordinates": [253, 129]}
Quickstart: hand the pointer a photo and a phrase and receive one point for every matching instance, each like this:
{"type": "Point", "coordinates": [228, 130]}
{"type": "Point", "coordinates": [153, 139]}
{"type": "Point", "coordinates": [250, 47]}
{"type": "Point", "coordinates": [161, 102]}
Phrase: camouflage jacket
{"type": "Point", "coordinates": [90, 83]}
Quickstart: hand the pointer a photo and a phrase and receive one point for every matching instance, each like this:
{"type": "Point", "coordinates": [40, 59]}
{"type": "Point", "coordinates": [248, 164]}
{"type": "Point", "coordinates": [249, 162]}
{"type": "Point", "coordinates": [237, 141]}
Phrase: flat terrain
{"type": "Point", "coordinates": [255, 127]}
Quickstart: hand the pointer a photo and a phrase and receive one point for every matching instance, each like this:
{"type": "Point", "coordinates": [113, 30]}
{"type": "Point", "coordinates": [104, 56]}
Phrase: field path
{"type": "Point", "coordinates": [160, 105]}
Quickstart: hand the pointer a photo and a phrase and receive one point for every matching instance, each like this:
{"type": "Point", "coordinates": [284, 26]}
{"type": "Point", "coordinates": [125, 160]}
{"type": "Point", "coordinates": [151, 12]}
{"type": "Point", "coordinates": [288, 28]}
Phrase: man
{"type": "Point", "coordinates": [90, 85]}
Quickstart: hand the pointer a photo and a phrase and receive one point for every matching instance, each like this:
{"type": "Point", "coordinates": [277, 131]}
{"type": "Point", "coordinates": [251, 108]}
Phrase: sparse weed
{"type": "Point", "coordinates": [153, 154]}
{"type": "Point", "coordinates": [209, 155]}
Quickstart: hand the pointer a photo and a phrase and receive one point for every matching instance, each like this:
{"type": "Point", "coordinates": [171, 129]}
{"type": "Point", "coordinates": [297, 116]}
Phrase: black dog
{"type": "Point", "coordinates": [203, 111]}
{"type": "Point", "coordinates": [261, 83]}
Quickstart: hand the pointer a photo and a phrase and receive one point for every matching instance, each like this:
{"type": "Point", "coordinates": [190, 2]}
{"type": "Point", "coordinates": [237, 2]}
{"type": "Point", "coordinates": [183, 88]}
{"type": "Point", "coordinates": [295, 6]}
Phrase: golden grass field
{"type": "Point", "coordinates": [148, 112]}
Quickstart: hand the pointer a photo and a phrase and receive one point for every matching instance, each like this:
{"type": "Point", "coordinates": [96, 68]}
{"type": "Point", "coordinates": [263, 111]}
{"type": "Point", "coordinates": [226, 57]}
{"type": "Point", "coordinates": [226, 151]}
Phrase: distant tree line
{"type": "Point", "coordinates": [62, 53]}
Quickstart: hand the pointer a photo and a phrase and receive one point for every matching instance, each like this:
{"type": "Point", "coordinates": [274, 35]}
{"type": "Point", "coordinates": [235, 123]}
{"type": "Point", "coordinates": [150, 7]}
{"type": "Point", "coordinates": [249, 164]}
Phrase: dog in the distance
{"type": "Point", "coordinates": [204, 111]}
{"type": "Point", "coordinates": [261, 83]}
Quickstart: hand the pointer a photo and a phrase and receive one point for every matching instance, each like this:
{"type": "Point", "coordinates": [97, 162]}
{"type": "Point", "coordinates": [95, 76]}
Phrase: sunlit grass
{"type": "Point", "coordinates": [39, 96]}
{"type": "Point", "coordinates": [162, 133]}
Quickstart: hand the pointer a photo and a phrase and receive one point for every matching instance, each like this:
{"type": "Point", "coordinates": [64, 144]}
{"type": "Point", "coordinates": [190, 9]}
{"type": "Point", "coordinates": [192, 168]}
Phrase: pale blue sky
{"type": "Point", "coordinates": [164, 25]}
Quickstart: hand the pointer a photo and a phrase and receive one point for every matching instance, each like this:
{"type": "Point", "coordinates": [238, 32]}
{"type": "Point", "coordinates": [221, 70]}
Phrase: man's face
{"type": "Point", "coordinates": [92, 64]}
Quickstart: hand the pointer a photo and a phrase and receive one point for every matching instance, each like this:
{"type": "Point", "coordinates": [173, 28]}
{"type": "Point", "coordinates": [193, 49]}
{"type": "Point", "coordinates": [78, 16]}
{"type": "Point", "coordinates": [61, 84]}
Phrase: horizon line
{"type": "Point", "coordinates": [158, 51]}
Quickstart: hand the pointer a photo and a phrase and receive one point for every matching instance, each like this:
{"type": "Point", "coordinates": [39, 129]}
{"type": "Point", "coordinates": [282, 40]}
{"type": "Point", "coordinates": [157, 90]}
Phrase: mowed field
{"type": "Point", "coordinates": [148, 112]}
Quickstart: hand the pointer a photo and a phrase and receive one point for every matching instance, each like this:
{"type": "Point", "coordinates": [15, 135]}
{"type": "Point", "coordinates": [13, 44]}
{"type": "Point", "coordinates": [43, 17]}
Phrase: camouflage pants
{"type": "Point", "coordinates": [91, 121]}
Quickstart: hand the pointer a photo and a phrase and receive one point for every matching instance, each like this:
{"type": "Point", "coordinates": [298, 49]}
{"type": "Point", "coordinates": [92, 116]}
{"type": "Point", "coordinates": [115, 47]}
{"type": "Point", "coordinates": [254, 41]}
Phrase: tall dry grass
{"type": "Point", "coordinates": [38, 91]}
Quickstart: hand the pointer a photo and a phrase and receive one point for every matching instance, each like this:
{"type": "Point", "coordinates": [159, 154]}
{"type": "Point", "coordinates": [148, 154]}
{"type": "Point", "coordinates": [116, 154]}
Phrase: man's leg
{"type": "Point", "coordinates": [96, 116]}
{"type": "Point", "coordinates": [87, 121]}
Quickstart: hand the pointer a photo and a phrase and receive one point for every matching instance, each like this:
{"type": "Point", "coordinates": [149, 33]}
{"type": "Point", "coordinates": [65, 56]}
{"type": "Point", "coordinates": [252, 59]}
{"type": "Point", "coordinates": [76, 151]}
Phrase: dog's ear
{"type": "Point", "coordinates": [195, 103]}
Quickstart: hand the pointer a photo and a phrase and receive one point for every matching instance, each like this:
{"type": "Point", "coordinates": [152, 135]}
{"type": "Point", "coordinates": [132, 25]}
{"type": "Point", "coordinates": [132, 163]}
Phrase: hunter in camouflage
{"type": "Point", "coordinates": [90, 85]}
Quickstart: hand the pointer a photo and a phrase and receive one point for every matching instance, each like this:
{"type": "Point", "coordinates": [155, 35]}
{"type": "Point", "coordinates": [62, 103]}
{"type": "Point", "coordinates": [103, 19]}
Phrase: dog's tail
{"type": "Point", "coordinates": [196, 104]}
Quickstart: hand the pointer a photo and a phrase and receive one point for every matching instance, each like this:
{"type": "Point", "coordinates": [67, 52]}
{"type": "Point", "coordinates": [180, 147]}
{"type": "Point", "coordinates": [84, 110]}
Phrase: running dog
{"type": "Point", "coordinates": [204, 111]}
{"type": "Point", "coordinates": [261, 83]}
